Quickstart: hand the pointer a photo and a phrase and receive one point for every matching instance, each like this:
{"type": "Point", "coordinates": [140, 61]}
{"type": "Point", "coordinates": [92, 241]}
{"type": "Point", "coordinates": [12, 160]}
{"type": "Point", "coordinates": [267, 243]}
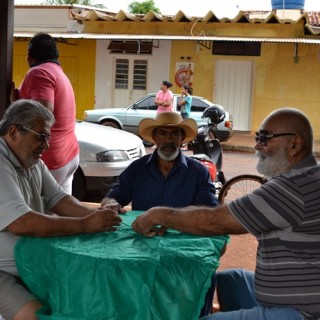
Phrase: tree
{"type": "Point", "coordinates": [143, 7]}
{"type": "Point", "coordinates": [81, 2]}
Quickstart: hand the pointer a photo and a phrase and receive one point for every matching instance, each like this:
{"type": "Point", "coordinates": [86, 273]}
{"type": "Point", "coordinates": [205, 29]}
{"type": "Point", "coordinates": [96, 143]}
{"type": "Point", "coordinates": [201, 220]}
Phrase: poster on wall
{"type": "Point", "coordinates": [184, 73]}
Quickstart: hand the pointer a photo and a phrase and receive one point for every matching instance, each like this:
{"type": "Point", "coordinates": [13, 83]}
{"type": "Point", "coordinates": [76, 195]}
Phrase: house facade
{"type": "Point", "coordinates": [251, 64]}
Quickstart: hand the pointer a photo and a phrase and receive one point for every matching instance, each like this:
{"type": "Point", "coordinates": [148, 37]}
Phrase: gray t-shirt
{"type": "Point", "coordinates": [22, 190]}
{"type": "Point", "coordinates": [284, 215]}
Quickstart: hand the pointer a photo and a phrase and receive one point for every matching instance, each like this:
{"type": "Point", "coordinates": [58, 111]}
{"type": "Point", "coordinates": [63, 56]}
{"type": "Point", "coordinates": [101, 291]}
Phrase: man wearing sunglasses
{"type": "Point", "coordinates": [283, 214]}
{"type": "Point", "coordinates": [28, 193]}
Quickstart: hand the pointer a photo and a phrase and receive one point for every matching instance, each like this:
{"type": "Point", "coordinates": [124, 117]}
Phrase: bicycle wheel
{"type": "Point", "coordinates": [239, 186]}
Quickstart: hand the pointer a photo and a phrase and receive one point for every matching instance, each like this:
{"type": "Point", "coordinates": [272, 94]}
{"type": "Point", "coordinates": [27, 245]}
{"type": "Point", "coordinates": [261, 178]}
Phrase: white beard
{"type": "Point", "coordinates": [273, 164]}
{"type": "Point", "coordinates": [168, 151]}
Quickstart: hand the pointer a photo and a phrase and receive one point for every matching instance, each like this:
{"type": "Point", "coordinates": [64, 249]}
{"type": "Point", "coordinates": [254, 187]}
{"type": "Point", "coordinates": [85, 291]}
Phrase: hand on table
{"type": "Point", "coordinates": [101, 220]}
{"type": "Point", "coordinates": [112, 204]}
{"type": "Point", "coordinates": [144, 225]}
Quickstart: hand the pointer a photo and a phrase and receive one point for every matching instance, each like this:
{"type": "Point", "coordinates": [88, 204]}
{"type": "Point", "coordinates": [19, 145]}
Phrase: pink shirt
{"type": "Point", "coordinates": [164, 96]}
{"type": "Point", "coordinates": [47, 81]}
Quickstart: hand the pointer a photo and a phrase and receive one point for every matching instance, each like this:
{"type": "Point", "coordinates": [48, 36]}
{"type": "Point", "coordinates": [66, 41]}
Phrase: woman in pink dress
{"type": "Point", "coordinates": [164, 97]}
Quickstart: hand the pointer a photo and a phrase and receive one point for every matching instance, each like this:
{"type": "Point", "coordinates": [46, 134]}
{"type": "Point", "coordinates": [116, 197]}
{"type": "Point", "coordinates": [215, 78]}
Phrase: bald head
{"type": "Point", "coordinates": [291, 120]}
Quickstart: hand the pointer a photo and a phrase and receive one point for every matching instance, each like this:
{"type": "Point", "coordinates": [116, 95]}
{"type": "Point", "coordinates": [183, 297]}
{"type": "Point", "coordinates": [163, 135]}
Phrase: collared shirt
{"type": "Point", "coordinates": [21, 190]}
{"type": "Point", "coordinates": [143, 184]}
{"type": "Point", "coordinates": [284, 215]}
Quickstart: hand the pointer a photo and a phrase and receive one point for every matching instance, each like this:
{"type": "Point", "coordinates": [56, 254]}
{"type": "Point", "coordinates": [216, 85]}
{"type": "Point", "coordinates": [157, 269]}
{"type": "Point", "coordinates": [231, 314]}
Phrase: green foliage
{"type": "Point", "coordinates": [81, 2]}
{"type": "Point", "coordinates": [143, 7]}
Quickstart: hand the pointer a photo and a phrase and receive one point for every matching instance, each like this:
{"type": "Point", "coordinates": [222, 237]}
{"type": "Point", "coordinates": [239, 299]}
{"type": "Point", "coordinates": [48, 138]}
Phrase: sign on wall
{"type": "Point", "coordinates": [184, 73]}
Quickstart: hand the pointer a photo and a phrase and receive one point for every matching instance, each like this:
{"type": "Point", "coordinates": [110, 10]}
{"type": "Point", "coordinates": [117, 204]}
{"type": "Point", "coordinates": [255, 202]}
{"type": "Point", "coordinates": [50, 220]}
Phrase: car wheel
{"type": "Point", "coordinates": [79, 185]}
{"type": "Point", "coordinates": [110, 123]}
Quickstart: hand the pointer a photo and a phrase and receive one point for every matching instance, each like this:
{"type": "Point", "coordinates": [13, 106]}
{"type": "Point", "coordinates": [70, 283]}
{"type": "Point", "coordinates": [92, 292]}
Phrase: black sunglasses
{"type": "Point", "coordinates": [42, 137]}
{"type": "Point", "coordinates": [263, 136]}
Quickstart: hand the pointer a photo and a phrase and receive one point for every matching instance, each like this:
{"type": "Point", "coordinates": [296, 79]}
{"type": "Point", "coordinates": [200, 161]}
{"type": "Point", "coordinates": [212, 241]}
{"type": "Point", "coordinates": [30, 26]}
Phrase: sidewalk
{"type": "Point", "coordinates": [243, 141]}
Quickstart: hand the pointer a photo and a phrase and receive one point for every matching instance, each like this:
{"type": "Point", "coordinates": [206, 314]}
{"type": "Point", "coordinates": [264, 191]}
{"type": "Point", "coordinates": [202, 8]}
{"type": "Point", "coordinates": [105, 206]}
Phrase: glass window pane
{"type": "Point", "coordinates": [122, 74]}
{"type": "Point", "coordinates": [140, 75]}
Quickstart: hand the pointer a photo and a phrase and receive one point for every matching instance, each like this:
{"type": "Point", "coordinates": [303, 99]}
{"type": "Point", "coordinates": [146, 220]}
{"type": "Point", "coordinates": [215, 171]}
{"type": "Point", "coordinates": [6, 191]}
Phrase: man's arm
{"type": "Point", "coordinates": [204, 221]}
{"type": "Point", "coordinates": [182, 102]}
{"type": "Point", "coordinates": [48, 104]}
{"type": "Point", "coordinates": [70, 206]}
{"type": "Point", "coordinates": [41, 225]}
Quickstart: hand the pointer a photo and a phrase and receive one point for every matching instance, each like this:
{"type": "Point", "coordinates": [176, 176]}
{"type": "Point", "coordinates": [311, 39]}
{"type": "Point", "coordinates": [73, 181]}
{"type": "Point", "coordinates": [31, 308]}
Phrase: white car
{"type": "Point", "coordinates": [104, 153]}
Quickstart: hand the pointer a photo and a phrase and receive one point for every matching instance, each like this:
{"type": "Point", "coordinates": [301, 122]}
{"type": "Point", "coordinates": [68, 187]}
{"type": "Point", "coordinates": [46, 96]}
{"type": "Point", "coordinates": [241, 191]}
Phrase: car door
{"type": "Point", "coordinates": [144, 108]}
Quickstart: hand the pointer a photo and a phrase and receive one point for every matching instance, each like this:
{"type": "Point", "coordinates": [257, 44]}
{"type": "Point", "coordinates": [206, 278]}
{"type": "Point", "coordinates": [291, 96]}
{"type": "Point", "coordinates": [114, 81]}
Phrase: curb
{"type": "Point", "coordinates": [249, 149]}
{"type": "Point", "coordinates": [227, 147]}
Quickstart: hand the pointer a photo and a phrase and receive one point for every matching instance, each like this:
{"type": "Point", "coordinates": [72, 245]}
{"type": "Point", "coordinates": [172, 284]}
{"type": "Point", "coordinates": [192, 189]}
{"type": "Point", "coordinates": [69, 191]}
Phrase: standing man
{"type": "Point", "coordinates": [28, 193]}
{"type": "Point", "coordinates": [46, 83]}
{"type": "Point", "coordinates": [283, 214]}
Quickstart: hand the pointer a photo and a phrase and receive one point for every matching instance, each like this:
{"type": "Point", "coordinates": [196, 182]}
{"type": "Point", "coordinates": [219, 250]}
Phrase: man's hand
{"type": "Point", "coordinates": [101, 220]}
{"type": "Point", "coordinates": [14, 93]}
{"type": "Point", "coordinates": [112, 204]}
{"type": "Point", "coordinates": [144, 224]}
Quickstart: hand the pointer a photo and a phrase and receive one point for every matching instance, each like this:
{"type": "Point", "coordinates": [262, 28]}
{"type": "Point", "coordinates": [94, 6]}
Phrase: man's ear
{"type": "Point", "coordinates": [296, 145]}
{"type": "Point", "coordinates": [12, 132]}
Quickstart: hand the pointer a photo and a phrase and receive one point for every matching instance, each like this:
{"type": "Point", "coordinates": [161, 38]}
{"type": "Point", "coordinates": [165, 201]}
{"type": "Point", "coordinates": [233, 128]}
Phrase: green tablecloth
{"type": "Point", "coordinates": [120, 275]}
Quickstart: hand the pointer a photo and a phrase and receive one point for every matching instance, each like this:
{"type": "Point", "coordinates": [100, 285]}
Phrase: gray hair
{"type": "Point", "coordinates": [26, 113]}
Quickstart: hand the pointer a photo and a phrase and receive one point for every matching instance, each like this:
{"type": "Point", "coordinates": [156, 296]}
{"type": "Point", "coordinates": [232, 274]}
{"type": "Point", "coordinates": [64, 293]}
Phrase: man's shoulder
{"type": "Point", "coordinates": [45, 68]}
{"type": "Point", "coordinates": [193, 163]}
{"type": "Point", "coordinates": [141, 161]}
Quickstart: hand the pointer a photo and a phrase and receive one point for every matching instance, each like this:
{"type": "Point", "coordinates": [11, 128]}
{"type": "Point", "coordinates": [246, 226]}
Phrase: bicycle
{"type": "Point", "coordinates": [239, 186]}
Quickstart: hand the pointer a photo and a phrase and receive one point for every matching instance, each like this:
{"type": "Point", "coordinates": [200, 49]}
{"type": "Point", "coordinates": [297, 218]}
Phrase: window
{"type": "Point", "coordinates": [122, 74]}
{"type": "Point", "coordinates": [236, 48]}
{"type": "Point", "coordinates": [196, 106]}
{"type": "Point", "coordinates": [131, 46]}
{"type": "Point", "coordinates": [147, 104]}
{"type": "Point", "coordinates": [140, 75]}
{"type": "Point", "coordinates": [143, 105]}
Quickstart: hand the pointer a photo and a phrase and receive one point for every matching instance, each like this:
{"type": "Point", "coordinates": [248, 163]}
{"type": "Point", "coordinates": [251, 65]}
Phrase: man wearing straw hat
{"type": "Point", "coordinates": [166, 177]}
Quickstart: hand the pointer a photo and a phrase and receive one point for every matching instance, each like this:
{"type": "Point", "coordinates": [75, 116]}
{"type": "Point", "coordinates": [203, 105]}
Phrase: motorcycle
{"type": "Point", "coordinates": [207, 149]}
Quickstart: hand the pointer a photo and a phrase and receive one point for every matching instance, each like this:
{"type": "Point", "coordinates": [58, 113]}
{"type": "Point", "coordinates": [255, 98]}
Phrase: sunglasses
{"type": "Point", "coordinates": [263, 136]}
{"type": "Point", "coordinates": [42, 137]}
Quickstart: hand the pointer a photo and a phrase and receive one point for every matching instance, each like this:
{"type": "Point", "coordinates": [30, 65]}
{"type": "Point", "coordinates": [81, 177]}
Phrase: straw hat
{"type": "Point", "coordinates": [168, 119]}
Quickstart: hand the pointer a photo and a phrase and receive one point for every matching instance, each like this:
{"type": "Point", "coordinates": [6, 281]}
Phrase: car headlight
{"type": "Point", "coordinates": [112, 156]}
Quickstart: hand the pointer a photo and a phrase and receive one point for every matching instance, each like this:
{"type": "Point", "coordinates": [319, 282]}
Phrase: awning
{"type": "Point", "coordinates": [97, 36]}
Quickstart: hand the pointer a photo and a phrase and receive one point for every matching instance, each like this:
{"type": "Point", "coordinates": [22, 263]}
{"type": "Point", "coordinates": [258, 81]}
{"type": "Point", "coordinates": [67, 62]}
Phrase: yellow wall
{"type": "Point", "coordinates": [278, 80]}
{"type": "Point", "coordinates": [77, 59]}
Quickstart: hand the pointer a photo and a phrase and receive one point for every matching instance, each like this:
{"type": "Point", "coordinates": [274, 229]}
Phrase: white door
{"type": "Point", "coordinates": [130, 81]}
{"type": "Point", "coordinates": [233, 90]}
